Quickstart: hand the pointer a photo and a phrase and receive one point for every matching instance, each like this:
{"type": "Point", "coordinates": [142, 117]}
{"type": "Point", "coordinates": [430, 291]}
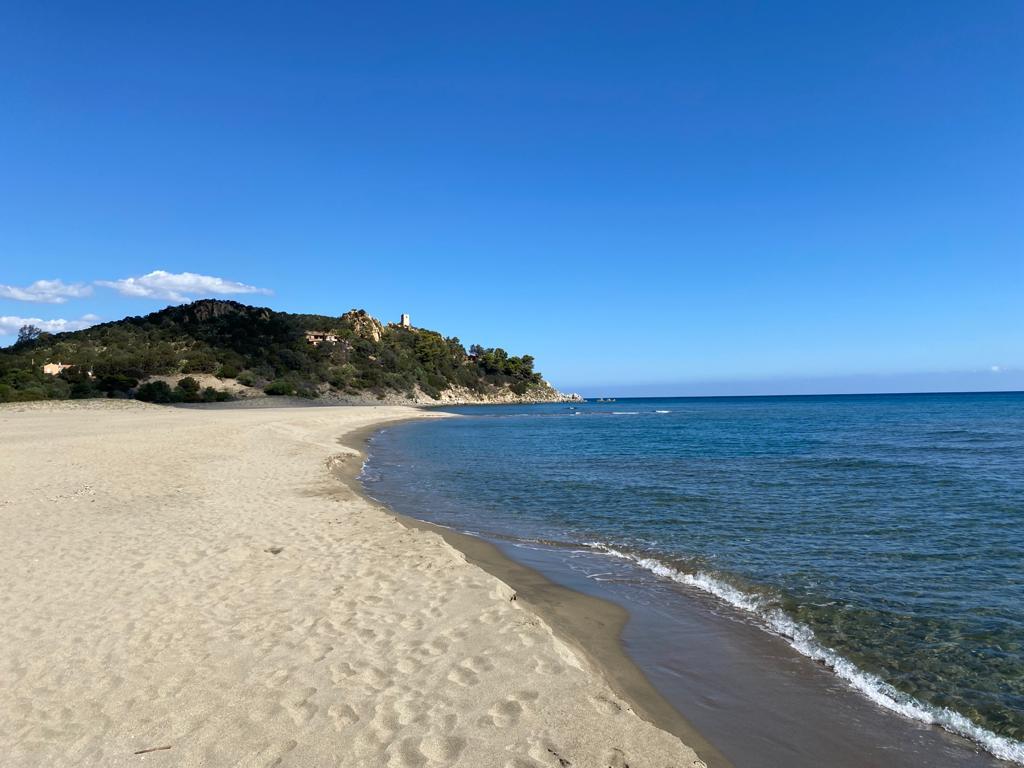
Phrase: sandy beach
{"type": "Point", "coordinates": [208, 588]}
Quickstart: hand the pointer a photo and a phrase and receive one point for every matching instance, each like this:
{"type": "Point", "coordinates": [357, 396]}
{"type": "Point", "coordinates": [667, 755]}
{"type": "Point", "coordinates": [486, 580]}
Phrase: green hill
{"type": "Point", "coordinates": [256, 351]}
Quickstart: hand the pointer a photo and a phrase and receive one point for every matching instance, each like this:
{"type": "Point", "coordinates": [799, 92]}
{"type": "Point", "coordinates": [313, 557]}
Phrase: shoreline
{"type": "Point", "coordinates": [199, 588]}
{"type": "Point", "coordinates": [590, 624]}
{"type": "Point", "coordinates": [691, 613]}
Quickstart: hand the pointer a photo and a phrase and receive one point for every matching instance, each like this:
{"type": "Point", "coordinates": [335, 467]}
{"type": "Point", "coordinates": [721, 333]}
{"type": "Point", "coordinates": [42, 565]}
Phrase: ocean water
{"type": "Point", "coordinates": [881, 535]}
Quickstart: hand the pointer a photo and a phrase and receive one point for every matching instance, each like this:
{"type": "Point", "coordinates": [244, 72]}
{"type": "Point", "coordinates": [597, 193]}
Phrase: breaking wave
{"type": "Point", "coordinates": [802, 639]}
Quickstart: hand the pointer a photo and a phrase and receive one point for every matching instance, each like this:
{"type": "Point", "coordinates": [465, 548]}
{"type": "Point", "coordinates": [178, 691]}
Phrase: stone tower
{"type": "Point", "coordinates": [405, 321]}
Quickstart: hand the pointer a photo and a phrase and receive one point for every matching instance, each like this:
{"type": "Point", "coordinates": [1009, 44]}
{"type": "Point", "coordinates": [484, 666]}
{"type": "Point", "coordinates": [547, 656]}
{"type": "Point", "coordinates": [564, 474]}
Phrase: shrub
{"type": "Point", "coordinates": [81, 390]}
{"type": "Point", "coordinates": [155, 392]}
{"type": "Point", "coordinates": [211, 395]}
{"type": "Point", "coordinates": [279, 387]}
{"type": "Point", "coordinates": [199, 364]}
{"type": "Point", "coordinates": [188, 385]}
{"type": "Point", "coordinates": [117, 383]}
{"type": "Point", "coordinates": [227, 371]}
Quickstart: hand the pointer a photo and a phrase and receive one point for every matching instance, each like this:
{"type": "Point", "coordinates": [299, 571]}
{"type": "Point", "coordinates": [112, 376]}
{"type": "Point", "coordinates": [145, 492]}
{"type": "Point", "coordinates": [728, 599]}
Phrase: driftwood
{"type": "Point", "coordinates": [151, 749]}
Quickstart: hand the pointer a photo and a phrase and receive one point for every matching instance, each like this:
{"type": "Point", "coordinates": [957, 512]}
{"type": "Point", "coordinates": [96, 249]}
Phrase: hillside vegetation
{"type": "Point", "coordinates": [267, 352]}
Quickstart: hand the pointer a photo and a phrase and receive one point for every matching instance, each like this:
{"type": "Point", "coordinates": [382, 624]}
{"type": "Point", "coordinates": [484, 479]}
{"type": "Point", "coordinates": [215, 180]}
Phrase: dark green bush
{"type": "Point", "coordinates": [279, 387]}
{"type": "Point", "coordinates": [155, 392]}
{"type": "Point", "coordinates": [211, 395]}
{"type": "Point", "coordinates": [115, 383]}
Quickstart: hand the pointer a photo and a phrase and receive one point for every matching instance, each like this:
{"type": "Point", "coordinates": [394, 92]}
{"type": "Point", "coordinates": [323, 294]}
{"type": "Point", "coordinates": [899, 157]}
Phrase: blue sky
{"type": "Point", "coordinates": [653, 198]}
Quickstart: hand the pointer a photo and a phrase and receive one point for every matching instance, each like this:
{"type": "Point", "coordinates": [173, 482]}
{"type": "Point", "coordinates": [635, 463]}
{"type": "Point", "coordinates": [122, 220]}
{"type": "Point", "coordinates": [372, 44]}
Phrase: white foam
{"type": "Point", "coordinates": [802, 639]}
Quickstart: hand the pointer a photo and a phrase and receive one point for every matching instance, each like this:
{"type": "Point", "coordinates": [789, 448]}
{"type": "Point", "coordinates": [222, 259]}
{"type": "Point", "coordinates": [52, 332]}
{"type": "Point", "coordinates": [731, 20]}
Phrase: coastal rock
{"type": "Point", "coordinates": [363, 324]}
{"type": "Point", "coordinates": [543, 393]}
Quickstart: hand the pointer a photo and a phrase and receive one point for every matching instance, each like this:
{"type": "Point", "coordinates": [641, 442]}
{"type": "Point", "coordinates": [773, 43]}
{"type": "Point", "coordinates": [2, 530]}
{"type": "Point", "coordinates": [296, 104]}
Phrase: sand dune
{"type": "Point", "coordinates": [203, 581]}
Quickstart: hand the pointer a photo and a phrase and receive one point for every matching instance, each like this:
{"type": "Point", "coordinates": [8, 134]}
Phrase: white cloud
{"type": "Point", "coordinates": [183, 286]}
{"type": "Point", "coordinates": [46, 291]}
{"type": "Point", "coordinates": [9, 325]}
{"type": "Point", "coordinates": [996, 369]}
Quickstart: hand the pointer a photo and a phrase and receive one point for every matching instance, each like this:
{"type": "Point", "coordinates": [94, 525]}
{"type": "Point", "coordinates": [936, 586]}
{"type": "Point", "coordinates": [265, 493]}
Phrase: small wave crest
{"type": "Point", "coordinates": [802, 639]}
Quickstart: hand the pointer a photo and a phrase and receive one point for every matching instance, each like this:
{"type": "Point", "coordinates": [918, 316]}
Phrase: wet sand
{"type": "Point", "coordinates": [721, 671]}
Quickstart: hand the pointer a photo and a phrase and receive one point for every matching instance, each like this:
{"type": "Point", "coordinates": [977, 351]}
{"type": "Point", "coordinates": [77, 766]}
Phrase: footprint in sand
{"type": "Point", "coordinates": [408, 666]}
{"type": "Point", "coordinates": [300, 707]}
{"type": "Point", "coordinates": [546, 666]}
{"type": "Point", "coordinates": [464, 677]}
{"type": "Point", "coordinates": [615, 758]}
{"type": "Point", "coordinates": [605, 706]}
{"type": "Point", "coordinates": [442, 749]}
{"type": "Point", "coordinates": [342, 715]}
{"type": "Point", "coordinates": [341, 672]}
{"type": "Point", "coordinates": [478, 664]}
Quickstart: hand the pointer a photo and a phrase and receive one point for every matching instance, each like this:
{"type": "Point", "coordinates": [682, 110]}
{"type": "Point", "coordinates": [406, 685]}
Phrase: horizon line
{"type": "Point", "coordinates": [813, 394]}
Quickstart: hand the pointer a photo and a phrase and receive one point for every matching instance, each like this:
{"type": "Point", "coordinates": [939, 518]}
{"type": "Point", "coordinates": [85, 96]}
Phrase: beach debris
{"type": "Point", "coordinates": [274, 550]}
{"type": "Point", "coordinates": [561, 760]}
{"type": "Point", "coordinates": [151, 749]}
{"type": "Point", "coordinates": [85, 490]}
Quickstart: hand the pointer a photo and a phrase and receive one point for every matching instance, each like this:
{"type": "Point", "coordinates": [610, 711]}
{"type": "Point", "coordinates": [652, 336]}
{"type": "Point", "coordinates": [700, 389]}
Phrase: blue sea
{"type": "Point", "coordinates": [881, 536]}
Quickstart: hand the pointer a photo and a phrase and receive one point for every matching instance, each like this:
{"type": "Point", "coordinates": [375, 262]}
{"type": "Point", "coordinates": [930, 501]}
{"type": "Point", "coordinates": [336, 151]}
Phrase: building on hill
{"type": "Point", "coordinates": [404, 322]}
{"type": "Point", "coordinates": [316, 338]}
{"type": "Point", "coordinates": [55, 369]}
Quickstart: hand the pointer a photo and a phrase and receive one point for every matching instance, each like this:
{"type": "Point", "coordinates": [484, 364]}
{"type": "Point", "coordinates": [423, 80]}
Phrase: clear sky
{"type": "Point", "coordinates": [680, 197]}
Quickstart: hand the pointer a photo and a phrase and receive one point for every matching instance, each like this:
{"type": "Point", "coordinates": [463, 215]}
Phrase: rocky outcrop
{"type": "Point", "coordinates": [207, 309]}
{"type": "Point", "coordinates": [544, 393]}
{"type": "Point", "coordinates": [363, 324]}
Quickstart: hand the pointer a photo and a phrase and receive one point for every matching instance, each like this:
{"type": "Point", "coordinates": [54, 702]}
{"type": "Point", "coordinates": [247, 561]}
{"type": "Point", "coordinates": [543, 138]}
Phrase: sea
{"type": "Point", "coordinates": [811, 580]}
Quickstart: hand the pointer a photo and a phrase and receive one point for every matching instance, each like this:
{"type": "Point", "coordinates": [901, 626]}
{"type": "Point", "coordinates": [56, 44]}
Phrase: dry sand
{"type": "Point", "coordinates": [205, 580]}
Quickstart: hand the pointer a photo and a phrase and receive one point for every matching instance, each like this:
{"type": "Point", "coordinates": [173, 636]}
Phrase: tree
{"type": "Point", "coordinates": [28, 333]}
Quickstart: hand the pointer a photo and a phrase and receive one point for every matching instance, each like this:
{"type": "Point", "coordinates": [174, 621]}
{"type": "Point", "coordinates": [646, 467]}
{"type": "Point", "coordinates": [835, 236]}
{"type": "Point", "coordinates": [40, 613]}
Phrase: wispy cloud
{"type": "Point", "coordinates": [46, 291]}
{"type": "Point", "coordinates": [9, 324]}
{"type": "Point", "coordinates": [181, 286]}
